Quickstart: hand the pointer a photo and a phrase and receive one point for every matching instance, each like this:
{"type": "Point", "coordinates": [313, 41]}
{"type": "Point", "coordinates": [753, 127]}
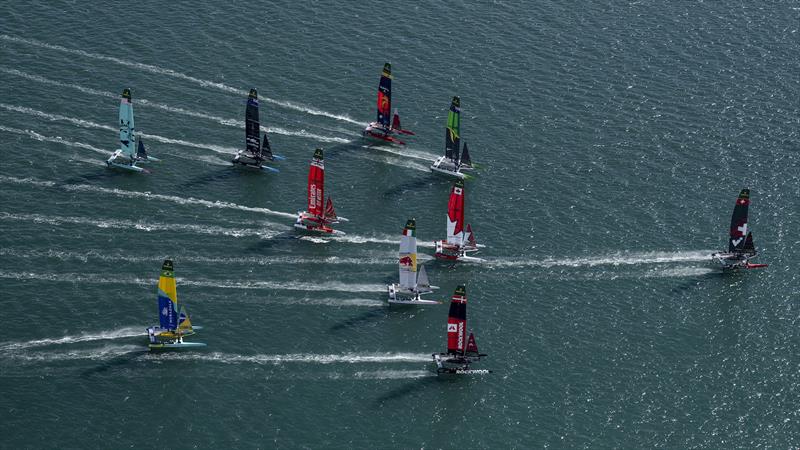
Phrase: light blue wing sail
{"type": "Point", "coordinates": [126, 126]}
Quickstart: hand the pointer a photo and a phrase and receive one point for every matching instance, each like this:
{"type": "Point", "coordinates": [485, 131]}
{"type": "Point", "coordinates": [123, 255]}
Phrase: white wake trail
{"type": "Point", "coordinates": [138, 225]}
{"type": "Point", "coordinates": [119, 333]}
{"type": "Point", "coordinates": [57, 139]}
{"type": "Point", "coordinates": [89, 124]}
{"type": "Point", "coordinates": [217, 204]}
{"type": "Point", "coordinates": [174, 109]}
{"type": "Point", "coordinates": [179, 75]}
{"type": "Point", "coordinates": [620, 259]}
{"type": "Point", "coordinates": [252, 285]}
{"type": "Point", "coordinates": [262, 359]}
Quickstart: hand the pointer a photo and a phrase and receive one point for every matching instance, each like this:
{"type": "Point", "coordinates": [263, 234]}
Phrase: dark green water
{"type": "Point", "coordinates": [613, 139]}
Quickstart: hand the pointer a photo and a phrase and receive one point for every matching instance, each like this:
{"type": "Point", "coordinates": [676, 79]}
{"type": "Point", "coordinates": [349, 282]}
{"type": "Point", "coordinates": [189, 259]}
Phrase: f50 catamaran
{"type": "Point", "coordinates": [256, 151]}
{"type": "Point", "coordinates": [317, 218]}
{"type": "Point", "coordinates": [382, 130]}
{"type": "Point", "coordinates": [460, 241]}
{"type": "Point", "coordinates": [412, 284]}
{"type": "Point", "coordinates": [740, 244]}
{"type": "Point", "coordinates": [125, 157]}
{"type": "Point", "coordinates": [455, 160]}
{"type": "Point", "coordinates": [461, 351]}
{"type": "Point", "coordinates": [174, 321]}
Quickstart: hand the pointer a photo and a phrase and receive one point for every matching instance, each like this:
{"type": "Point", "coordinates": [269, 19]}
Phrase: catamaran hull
{"type": "Point", "coordinates": [125, 167]}
{"type": "Point", "coordinates": [381, 137]}
{"type": "Point", "coordinates": [244, 160]}
{"type": "Point", "coordinates": [446, 364]}
{"type": "Point", "coordinates": [446, 253]}
{"type": "Point", "coordinates": [443, 166]}
{"type": "Point", "coordinates": [176, 345]}
{"type": "Point", "coordinates": [400, 296]}
{"type": "Point", "coordinates": [732, 261]}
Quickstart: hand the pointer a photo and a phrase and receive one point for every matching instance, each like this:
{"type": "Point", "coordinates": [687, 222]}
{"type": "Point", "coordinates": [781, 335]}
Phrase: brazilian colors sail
{"type": "Point", "coordinates": [740, 240]}
{"type": "Point", "coordinates": [458, 242]}
{"type": "Point", "coordinates": [319, 214]}
{"type": "Point", "coordinates": [462, 349]}
{"type": "Point", "coordinates": [174, 320]}
{"type": "Point", "coordinates": [256, 151]}
{"type": "Point", "coordinates": [385, 126]}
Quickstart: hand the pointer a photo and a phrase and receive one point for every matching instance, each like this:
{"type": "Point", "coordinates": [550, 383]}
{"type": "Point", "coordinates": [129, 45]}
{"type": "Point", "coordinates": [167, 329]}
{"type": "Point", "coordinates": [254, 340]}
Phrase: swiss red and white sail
{"type": "Point", "coordinates": [316, 185]}
{"type": "Point", "coordinates": [457, 322]}
{"type": "Point", "coordinates": [408, 256]}
{"type": "Point", "coordinates": [455, 214]}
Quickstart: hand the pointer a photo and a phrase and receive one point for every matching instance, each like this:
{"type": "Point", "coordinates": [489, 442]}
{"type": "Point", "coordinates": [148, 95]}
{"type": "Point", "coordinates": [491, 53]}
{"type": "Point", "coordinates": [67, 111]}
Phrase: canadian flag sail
{"type": "Point", "coordinates": [408, 256]}
{"type": "Point", "coordinates": [457, 322]}
{"type": "Point", "coordinates": [316, 185]}
{"type": "Point", "coordinates": [455, 214]}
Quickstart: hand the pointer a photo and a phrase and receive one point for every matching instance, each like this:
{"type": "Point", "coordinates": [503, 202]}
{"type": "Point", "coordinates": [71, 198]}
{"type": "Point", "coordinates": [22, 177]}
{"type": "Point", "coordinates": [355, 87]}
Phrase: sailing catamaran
{"type": "Point", "coordinates": [317, 218]}
{"type": "Point", "coordinates": [382, 130]}
{"type": "Point", "coordinates": [455, 160]}
{"type": "Point", "coordinates": [256, 151]}
{"type": "Point", "coordinates": [459, 241]}
{"type": "Point", "coordinates": [412, 284]}
{"type": "Point", "coordinates": [174, 321]}
{"type": "Point", "coordinates": [740, 244]}
{"type": "Point", "coordinates": [125, 157]}
{"type": "Point", "coordinates": [459, 356]}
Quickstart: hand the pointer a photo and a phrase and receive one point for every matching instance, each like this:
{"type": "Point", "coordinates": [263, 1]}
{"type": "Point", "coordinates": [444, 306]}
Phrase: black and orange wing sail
{"type": "Point", "coordinates": [385, 96]}
{"type": "Point", "coordinates": [738, 233]}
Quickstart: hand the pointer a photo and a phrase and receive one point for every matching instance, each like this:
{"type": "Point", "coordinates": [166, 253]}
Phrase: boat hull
{"type": "Point", "coordinates": [448, 364]}
{"type": "Point", "coordinates": [443, 166]}
{"type": "Point", "coordinates": [124, 167]}
{"type": "Point", "coordinates": [734, 261]}
{"type": "Point", "coordinates": [450, 252]}
{"type": "Point", "coordinates": [401, 296]}
{"type": "Point", "coordinates": [175, 345]}
{"type": "Point", "coordinates": [245, 160]}
{"type": "Point", "coordinates": [310, 224]}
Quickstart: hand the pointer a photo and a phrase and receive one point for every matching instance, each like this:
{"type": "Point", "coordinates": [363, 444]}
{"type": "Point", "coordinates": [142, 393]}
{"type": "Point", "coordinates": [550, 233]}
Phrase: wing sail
{"type": "Point", "coordinates": [385, 96]}
{"type": "Point", "coordinates": [738, 231]}
{"type": "Point", "coordinates": [316, 184]}
{"type": "Point", "coordinates": [457, 321]}
{"type": "Point", "coordinates": [408, 255]}
{"type": "Point", "coordinates": [252, 125]}
{"type": "Point", "coordinates": [455, 214]}
{"type": "Point", "coordinates": [126, 124]}
{"type": "Point", "coordinates": [453, 130]}
{"type": "Point", "coordinates": [167, 297]}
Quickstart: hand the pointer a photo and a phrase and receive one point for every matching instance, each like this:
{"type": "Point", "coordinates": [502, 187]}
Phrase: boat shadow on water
{"type": "Point", "coordinates": [410, 388]}
{"type": "Point", "coordinates": [410, 186]}
{"type": "Point", "coordinates": [361, 319]}
{"type": "Point", "coordinates": [211, 177]}
{"type": "Point", "coordinates": [116, 362]}
{"type": "Point", "coordinates": [95, 176]}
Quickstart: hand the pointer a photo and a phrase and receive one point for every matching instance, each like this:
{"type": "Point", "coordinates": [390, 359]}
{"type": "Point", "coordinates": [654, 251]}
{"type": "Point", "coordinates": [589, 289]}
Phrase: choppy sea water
{"type": "Point", "coordinates": [613, 139]}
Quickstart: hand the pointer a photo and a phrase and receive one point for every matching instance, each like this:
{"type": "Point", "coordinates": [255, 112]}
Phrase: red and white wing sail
{"type": "Point", "coordinates": [408, 256]}
{"type": "Point", "coordinates": [455, 214]}
{"type": "Point", "coordinates": [457, 322]}
{"type": "Point", "coordinates": [316, 185]}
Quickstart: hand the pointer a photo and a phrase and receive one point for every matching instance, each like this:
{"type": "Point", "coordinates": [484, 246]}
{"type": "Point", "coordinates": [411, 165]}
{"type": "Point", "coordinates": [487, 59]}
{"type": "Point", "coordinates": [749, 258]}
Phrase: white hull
{"type": "Point", "coordinates": [404, 296]}
{"type": "Point", "coordinates": [445, 167]}
{"type": "Point", "coordinates": [445, 364]}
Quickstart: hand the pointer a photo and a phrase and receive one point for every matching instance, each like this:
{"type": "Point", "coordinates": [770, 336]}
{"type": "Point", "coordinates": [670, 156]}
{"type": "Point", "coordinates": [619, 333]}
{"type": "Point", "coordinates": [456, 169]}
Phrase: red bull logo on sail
{"type": "Point", "coordinates": [406, 261]}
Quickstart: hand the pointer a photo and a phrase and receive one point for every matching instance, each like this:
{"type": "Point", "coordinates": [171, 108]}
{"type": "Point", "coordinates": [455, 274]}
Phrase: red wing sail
{"type": "Point", "coordinates": [739, 222]}
{"type": "Point", "coordinates": [455, 214]}
{"type": "Point", "coordinates": [472, 347]}
{"type": "Point", "coordinates": [316, 184]}
{"type": "Point", "coordinates": [471, 242]}
{"type": "Point", "coordinates": [330, 212]}
{"type": "Point", "coordinates": [385, 95]}
{"type": "Point", "coordinates": [457, 322]}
